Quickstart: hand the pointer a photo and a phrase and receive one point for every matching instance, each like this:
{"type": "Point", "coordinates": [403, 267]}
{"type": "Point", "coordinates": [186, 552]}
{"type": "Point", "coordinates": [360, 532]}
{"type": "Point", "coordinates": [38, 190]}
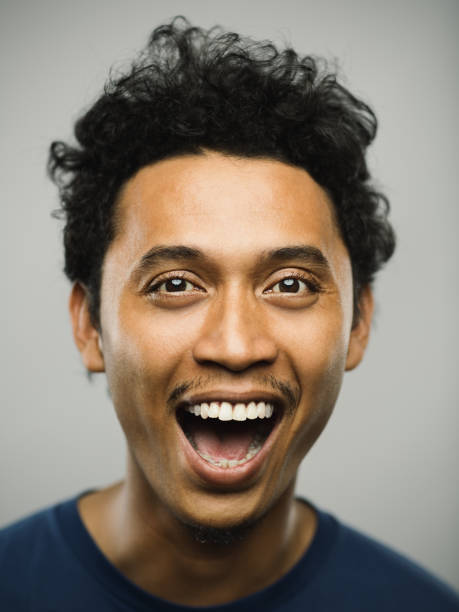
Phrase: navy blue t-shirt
{"type": "Point", "coordinates": [49, 563]}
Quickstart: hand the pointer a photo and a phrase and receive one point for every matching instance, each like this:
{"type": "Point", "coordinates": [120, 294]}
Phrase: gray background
{"type": "Point", "coordinates": [387, 461]}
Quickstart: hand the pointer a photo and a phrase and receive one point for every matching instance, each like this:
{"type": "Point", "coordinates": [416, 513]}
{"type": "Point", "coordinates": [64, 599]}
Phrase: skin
{"type": "Point", "coordinates": [232, 327]}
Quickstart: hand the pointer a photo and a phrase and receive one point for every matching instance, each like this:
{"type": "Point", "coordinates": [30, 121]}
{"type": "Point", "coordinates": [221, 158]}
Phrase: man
{"type": "Point", "coordinates": [222, 236]}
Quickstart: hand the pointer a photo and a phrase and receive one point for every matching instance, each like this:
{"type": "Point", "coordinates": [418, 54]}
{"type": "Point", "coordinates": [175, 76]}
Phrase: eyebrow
{"type": "Point", "coordinates": [162, 253]}
{"type": "Point", "coordinates": [303, 252]}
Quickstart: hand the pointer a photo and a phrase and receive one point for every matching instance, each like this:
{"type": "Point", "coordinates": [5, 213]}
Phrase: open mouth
{"type": "Point", "coordinates": [228, 435]}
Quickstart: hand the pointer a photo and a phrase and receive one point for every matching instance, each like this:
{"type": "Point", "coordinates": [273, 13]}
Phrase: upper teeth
{"type": "Point", "coordinates": [225, 411]}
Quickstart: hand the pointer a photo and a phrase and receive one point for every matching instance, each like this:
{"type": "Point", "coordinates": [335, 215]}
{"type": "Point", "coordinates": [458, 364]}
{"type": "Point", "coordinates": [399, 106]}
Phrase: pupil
{"type": "Point", "coordinates": [175, 284]}
{"type": "Point", "coordinates": [290, 285]}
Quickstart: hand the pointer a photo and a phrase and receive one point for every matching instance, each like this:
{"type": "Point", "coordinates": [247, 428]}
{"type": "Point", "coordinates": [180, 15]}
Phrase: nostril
{"type": "Point", "coordinates": [233, 361]}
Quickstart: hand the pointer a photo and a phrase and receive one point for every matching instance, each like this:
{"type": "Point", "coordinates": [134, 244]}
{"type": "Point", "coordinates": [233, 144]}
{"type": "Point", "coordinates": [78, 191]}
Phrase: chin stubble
{"type": "Point", "coordinates": [205, 534]}
{"type": "Point", "coordinates": [222, 536]}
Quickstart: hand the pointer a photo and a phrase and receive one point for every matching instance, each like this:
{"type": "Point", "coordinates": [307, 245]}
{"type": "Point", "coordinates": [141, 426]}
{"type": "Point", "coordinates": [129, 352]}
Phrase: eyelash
{"type": "Point", "coordinates": [312, 284]}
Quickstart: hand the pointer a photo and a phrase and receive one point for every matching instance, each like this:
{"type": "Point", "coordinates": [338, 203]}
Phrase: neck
{"type": "Point", "coordinates": [131, 525]}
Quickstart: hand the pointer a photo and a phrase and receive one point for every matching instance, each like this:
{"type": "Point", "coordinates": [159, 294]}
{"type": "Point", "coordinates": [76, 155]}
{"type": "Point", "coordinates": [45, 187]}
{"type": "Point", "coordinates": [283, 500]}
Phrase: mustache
{"type": "Point", "coordinates": [290, 393]}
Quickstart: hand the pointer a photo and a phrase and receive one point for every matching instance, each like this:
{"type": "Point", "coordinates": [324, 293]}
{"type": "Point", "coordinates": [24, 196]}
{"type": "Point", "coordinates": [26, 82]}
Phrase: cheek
{"type": "Point", "coordinates": [143, 353]}
{"type": "Point", "coordinates": [322, 367]}
{"type": "Point", "coordinates": [143, 341]}
{"type": "Point", "coordinates": [316, 343]}
{"type": "Point", "coordinates": [135, 369]}
{"type": "Point", "coordinates": [318, 357]}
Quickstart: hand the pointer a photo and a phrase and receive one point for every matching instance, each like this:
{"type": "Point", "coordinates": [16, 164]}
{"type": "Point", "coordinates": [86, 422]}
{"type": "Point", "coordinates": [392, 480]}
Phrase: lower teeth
{"type": "Point", "coordinates": [254, 448]}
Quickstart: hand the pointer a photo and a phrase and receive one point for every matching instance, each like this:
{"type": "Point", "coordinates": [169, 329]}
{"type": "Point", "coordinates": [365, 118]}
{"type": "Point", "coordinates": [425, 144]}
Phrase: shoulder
{"type": "Point", "coordinates": [30, 550]}
{"type": "Point", "coordinates": [19, 540]}
{"type": "Point", "coordinates": [380, 578]}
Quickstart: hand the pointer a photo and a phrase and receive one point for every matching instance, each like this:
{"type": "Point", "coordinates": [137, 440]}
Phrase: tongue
{"type": "Point", "coordinates": [228, 441]}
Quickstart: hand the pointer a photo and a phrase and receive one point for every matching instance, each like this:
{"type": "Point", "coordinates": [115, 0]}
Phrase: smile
{"type": "Point", "coordinates": [228, 435]}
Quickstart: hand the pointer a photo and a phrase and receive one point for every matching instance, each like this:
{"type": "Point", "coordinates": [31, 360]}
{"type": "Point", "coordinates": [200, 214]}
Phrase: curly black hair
{"type": "Point", "coordinates": [192, 89]}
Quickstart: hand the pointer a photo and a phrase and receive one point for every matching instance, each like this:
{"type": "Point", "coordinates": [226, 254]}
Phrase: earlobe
{"type": "Point", "coordinates": [360, 333]}
{"type": "Point", "coordinates": [86, 336]}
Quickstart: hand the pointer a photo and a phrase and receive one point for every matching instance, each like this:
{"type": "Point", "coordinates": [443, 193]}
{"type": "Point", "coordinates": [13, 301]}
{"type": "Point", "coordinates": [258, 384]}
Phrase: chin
{"type": "Point", "coordinates": [224, 518]}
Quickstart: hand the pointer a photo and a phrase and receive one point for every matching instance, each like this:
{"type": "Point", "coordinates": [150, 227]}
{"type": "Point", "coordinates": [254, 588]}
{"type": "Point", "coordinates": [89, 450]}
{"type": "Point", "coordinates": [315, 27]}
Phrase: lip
{"type": "Point", "coordinates": [240, 475]}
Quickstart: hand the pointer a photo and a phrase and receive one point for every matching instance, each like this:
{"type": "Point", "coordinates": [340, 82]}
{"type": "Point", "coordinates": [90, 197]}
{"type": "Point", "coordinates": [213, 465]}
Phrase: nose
{"type": "Point", "coordinates": [235, 335]}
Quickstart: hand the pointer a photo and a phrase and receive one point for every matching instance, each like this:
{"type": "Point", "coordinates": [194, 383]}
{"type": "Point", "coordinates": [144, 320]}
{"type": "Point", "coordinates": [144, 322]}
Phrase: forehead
{"type": "Point", "coordinates": [224, 205]}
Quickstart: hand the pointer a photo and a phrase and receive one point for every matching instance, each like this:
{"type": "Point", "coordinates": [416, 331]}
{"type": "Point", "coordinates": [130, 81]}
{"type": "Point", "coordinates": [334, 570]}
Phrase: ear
{"type": "Point", "coordinates": [86, 336]}
{"type": "Point", "coordinates": [360, 333]}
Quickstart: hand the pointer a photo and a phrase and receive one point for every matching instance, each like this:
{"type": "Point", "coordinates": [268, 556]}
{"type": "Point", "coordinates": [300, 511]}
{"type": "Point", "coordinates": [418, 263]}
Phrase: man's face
{"type": "Point", "coordinates": [234, 317]}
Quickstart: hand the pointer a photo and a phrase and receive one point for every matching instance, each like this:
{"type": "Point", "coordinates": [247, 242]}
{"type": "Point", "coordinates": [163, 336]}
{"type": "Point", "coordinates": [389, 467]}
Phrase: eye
{"type": "Point", "coordinates": [288, 285]}
{"type": "Point", "coordinates": [295, 285]}
{"type": "Point", "coordinates": [173, 284]}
